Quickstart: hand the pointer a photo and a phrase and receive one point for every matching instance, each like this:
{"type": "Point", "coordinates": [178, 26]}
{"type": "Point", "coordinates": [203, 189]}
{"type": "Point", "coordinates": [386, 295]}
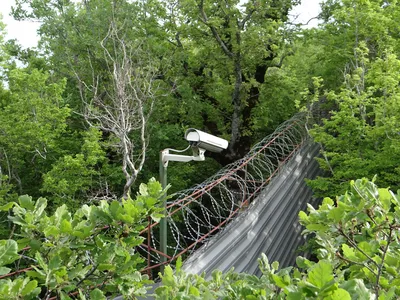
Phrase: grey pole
{"type": "Point", "coordinates": [163, 221]}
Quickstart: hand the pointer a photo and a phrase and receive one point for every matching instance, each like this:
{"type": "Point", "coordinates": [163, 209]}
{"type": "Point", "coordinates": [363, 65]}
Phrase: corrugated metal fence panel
{"type": "Point", "coordinates": [269, 225]}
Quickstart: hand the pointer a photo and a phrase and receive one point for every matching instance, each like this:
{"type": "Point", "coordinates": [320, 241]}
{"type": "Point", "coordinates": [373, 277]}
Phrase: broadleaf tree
{"type": "Point", "coordinates": [33, 119]}
{"type": "Point", "coordinates": [107, 50]}
{"type": "Point", "coordinates": [360, 135]}
{"type": "Point", "coordinates": [223, 51]}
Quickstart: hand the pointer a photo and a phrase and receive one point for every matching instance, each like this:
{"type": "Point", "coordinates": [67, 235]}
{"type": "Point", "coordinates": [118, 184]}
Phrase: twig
{"type": "Point", "coordinates": [214, 31]}
{"type": "Point", "coordinates": [356, 263]}
{"type": "Point", "coordinates": [87, 275]}
{"type": "Point", "coordinates": [380, 267]}
{"type": "Point", "coordinates": [358, 248]}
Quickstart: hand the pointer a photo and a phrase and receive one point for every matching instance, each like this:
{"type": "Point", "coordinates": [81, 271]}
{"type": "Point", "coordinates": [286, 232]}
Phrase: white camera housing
{"type": "Point", "coordinates": [206, 141]}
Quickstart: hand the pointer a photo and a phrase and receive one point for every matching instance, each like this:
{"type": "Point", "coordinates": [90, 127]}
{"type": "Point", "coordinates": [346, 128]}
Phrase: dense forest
{"type": "Point", "coordinates": [112, 82]}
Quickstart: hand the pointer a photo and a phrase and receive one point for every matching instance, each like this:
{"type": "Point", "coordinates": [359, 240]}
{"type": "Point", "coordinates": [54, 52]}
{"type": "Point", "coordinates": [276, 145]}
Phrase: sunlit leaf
{"type": "Point", "coordinates": [8, 252]}
{"type": "Point", "coordinates": [321, 274]}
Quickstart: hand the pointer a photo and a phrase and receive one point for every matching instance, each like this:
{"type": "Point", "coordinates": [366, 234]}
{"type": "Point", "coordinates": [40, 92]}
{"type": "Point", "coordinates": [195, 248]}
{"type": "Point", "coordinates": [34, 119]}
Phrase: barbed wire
{"type": "Point", "coordinates": [195, 214]}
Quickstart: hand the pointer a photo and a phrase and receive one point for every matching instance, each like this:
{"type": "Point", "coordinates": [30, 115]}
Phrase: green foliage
{"type": "Point", "coordinates": [6, 196]}
{"type": "Point", "coordinates": [230, 285]}
{"type": "Point", "coordinates": [21, 288]}
{"type": "Point", "coordinates": [187, 58]}
{"type": "Point", "coordinates": [228, 64]}
{"type": "Point", "coordinates": [93, 247]}
{"type": "Point", "coordinates": [220, 60]}
{"type": "Point", "coordinates": [8, 252]}
{"type": "Point", "coordinates": [361, 138]}
{"type": "Point", "coordinates": [33, 120]}
{"type": "Point", "coordinates": [359, 235]}
{"type": "Point", "coordinates": [61, 179]}
{"type": "Point", "coordinates": [280, 93]}
{"type": "Point", "coordinates": [358, 256]}
{"type": "Point", "coordinates": [73, 34]}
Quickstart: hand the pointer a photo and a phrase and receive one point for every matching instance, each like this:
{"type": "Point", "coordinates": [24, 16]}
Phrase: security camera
{"type": "Point", "coordinates": [205, 141]}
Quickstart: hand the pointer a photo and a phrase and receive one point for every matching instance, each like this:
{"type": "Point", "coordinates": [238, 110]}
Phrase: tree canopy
{"type": "Point", "coordinates": [112, 82]}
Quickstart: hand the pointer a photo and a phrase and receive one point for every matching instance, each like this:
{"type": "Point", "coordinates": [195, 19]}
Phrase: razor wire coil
{"type": "Point", "coordinates": [193, 213]}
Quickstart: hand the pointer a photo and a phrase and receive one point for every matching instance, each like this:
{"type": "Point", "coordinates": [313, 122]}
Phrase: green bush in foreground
{"type": "Point", "coordinates": [359, 257]}
{"type": "Point", "coordinates": [358, 253]}
{"type": "Point", "coordinates": [91, 253]}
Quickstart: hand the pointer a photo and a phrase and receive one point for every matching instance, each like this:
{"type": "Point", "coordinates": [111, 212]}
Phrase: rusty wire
{"type": "Point", "coordinates": [195, 214]}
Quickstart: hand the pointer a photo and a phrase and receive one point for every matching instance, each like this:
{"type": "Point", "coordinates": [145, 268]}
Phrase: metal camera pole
{"type": "Point", "coordinates": [163, 221]}
{"type": "Point", "coordinates": [165, 157]}
{"type": "Point", "coordinates": [199, 141]}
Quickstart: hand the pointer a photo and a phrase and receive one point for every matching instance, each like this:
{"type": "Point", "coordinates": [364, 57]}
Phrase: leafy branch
{"type": "Point", "coordinates": [79, 252]}
{"type": "Point", "coordinates": [214, 31]}
{"type": "Point", "coordinates": [380, 267]}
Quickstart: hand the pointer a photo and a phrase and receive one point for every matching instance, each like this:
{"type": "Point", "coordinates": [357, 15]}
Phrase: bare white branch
{"type": "Point", "coordinates": [123, 104]}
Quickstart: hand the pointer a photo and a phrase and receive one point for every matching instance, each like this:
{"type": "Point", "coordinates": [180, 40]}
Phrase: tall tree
{"type": "Point", "coordinates": [219, 58]}
{"type": "Point", "coordinates": [224, 50]}
{"type": "Point", "coordinates": [361, 136]}
{"type": "Point", "coordinates": [107, 49]}
{"type": "Point", "coordinates": [32, 121]}
{"type": "Point", "coordinates": [124, 105]}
